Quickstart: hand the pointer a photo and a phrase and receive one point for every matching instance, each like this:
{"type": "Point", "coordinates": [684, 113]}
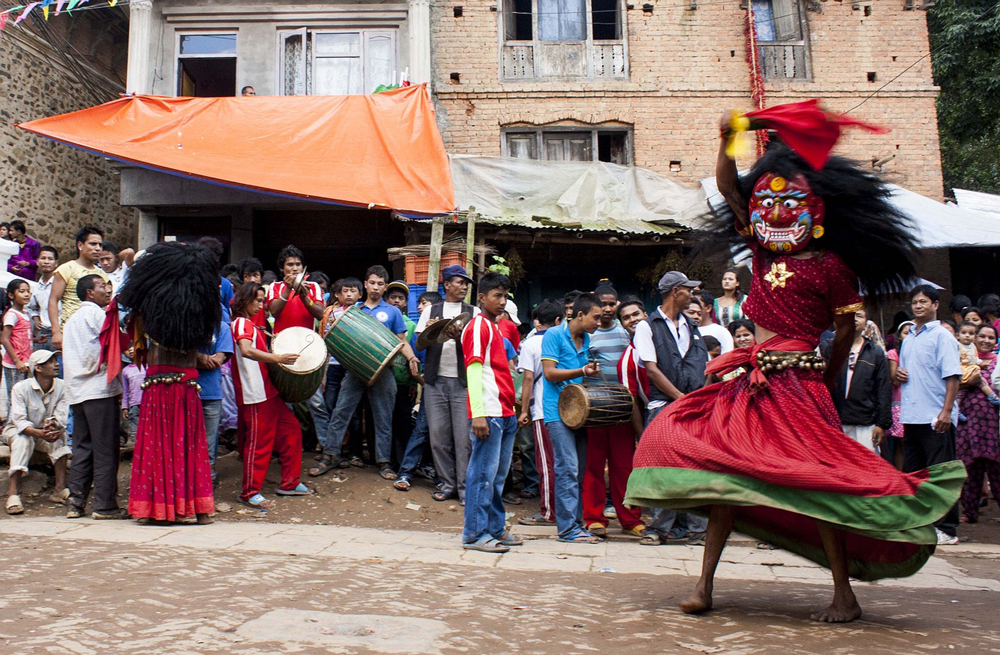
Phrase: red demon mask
{"type": "Point", "coordinates": [785, 213]}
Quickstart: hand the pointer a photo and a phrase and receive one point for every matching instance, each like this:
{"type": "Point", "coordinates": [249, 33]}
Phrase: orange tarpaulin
{"type": "Point", "coordinates": [381, 151]}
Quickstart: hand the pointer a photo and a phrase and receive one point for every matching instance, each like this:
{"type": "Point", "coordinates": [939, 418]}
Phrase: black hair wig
{"type": "Point", "coordinates": [174, 290]}
{"type": "Point", "coordinates": [875, 240]}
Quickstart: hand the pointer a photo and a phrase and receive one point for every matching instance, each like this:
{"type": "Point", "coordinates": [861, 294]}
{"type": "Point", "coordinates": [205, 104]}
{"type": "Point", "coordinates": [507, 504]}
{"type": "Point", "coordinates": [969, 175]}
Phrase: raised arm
{"type": "Point", "coordinates": [727, 177]}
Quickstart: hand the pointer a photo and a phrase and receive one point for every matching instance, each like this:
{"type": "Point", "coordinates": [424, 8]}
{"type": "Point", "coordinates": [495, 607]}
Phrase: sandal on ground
{"type": "Point", "coordinates": [73, 511]}
{"type": "Point", "coordinates": [110, 515]}
{"type": "Point", "coordinates": [59, 497]}
{"type": "Point", "coordinates": [325, 463]}
{"type": "Point", "coordinates": [442, 496]}
{"type": "Point", "coordinates": [581, 537]}
{"type": "Point", "coordinates": [385, 470]}
{"type": "Point", "coordinates": [356, 461]}
{"type": "Point", "coordinates": [598, 530]}
{"type": "Point", "coordinates": [14, 505]}
{"type": "Point", "coordinates": [486, 544]}
{"type": "Point", "coordinates": [535, 519]}
{"type": "Point", "coordinates": [528, 494]}
{"type": "Point", "coordinates": [257, 500]}
{"type": "Point", "coordinates": [299, 490]}
{"type": "Point", "coordinates": [403, 484]}
{"type": "Point", "coordinates": [635, 531]}
{"type": "Point", "coordinates": [651, 539]}
{"type": "Point", "coordinates": [511, 499]}
{"type": "Point", "coordinates": [508, 539]}
{"type": "Point", "coordinates": [696, 539]}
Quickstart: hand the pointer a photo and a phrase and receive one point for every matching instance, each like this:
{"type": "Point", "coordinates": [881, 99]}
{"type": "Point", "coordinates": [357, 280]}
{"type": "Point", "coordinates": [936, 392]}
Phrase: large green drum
{"type": "Point", "coordinates": [299, 381]}
{"type": "Point", "coordinates": [362, 344]}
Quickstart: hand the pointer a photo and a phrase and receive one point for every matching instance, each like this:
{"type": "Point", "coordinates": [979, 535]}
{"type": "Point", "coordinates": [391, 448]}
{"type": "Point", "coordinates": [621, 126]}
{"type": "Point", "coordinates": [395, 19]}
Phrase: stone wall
{"type": "Point", "coordinates": [53, 188]}
{"type": "Point", "coordinates": [685, 68]}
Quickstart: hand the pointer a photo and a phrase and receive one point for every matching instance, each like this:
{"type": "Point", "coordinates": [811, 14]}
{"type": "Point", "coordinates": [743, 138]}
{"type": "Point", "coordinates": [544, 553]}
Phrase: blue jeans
{"type": "Point", "coordinates": [664, 520]}
{"type": "Point", "coordinates": [488, 465]}
{"type": "Point", "coordinates": [319, 411]}
{"type": "Point", "coordinates": [212, 410]}
{"type": "Point", "coordinates": [415, 445]}
{"type": "Point", "coordinates": [381, 397]}
{"type": "Point", "coordinates": [569, 461]}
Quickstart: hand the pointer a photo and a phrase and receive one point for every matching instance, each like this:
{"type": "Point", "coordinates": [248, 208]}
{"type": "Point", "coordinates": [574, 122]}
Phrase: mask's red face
{"type": "Point", "coordinates": [785, 214]}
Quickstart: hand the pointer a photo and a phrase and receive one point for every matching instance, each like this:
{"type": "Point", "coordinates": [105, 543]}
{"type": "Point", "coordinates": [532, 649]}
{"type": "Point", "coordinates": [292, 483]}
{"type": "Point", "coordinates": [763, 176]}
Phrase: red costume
{"type": "Point", "coordinates": [769, 443]}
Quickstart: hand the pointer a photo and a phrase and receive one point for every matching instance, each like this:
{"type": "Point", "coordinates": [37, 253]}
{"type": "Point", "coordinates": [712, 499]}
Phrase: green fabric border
{"type": "Point", "coordinates": [902, 518]}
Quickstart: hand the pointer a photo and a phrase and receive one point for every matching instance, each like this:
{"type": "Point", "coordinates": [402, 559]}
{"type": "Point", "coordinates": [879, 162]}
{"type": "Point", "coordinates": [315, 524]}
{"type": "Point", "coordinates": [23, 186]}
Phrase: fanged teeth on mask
{"type": "Point", "coordinates": [781, 234]}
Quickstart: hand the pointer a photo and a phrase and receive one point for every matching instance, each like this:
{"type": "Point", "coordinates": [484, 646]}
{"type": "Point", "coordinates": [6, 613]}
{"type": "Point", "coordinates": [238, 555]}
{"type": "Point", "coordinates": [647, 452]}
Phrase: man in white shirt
{"type": "Point", "coordinates": [38, 411]}
{"type": "Point", "coordinates": [95, 403]}
{"type": "Point", "coordinates": [38, 307]}
{"type": "Point", "coordinates": [445, 389]}
{"type": "Point", "coordinates": [547, 315]}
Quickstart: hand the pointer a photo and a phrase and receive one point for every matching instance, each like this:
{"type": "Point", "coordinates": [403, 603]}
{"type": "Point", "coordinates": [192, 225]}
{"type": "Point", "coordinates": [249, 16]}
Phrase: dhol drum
{"type": "Point", "coordinates": [594, 405]}
{"type": "Point", "coordinates": [362, 344]}
{"type": "Point", "coordinates": [299, 381]}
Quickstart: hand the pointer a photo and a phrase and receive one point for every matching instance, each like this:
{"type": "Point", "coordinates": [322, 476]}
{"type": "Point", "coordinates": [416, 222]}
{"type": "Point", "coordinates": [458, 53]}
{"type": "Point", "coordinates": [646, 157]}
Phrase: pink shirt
{"type": "Point", "coordinates": [20, 336]}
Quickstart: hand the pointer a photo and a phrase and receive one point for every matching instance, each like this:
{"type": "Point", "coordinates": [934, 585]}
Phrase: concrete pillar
{"type": "Point", "coordinates": [419, 25]}
{"type": "Point", "coordinates": [140, 78]}
{"type": "Point", "coordinates": [149, 227]}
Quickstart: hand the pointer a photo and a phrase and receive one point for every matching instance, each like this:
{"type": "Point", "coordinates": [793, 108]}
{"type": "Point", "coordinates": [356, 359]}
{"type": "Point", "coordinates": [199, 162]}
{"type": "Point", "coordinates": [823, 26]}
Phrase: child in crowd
{"type": "Point", "coordinates": [16, 336]}
{"type": "Point", "coordinates": [972, 363]}
{"type": "Point", "coordinates": [713, 346]}
{"type": "Point", "coordinates": [346, 292]}
{"type": "Point", "coordinates": [132, 378]}
{"type": "Point", "coordinates": [270, 425]}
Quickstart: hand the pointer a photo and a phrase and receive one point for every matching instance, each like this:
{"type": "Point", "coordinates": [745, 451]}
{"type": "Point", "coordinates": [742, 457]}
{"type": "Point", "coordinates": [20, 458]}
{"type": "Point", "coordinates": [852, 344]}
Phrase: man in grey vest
{"type": "Point", "coordinates": [444, 389]}
{"type": "Point", "coordinates": [674, 356]}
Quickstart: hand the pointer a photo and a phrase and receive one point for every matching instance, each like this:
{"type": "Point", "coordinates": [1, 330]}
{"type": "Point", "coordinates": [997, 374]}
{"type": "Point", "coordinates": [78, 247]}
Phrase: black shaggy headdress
{"type": "Point", "coordinates": [174, 290]}
{"type": "Point", "coordinates": [862, 226]}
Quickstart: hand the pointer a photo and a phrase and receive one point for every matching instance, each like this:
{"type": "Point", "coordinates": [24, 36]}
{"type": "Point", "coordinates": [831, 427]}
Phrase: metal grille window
{"type": "Point", "coordinates": [336, 62]}
{"type": "Point", "coordinates": [781, 36]}
{"type": "Point", "coordinates": [562, 39]}
{"type": "Point", "coordinates": [611, 146]}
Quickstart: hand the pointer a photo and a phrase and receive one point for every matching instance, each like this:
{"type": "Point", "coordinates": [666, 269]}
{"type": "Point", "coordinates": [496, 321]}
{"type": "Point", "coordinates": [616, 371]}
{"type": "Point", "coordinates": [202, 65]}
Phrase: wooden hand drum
{"type": "Point", "coordinates": [299, 381]}
{"type": "Point", "coordinates": [594, 405]}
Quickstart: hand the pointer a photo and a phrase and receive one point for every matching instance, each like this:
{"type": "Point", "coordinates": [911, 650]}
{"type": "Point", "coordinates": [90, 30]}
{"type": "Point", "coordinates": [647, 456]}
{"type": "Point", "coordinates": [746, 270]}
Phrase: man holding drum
{"type": "Point", "coordinates": [382, 392]}
{"type": "Point", "coordinates": [565, 353]}
{"type": "Point", "coordinates": [294, 302]}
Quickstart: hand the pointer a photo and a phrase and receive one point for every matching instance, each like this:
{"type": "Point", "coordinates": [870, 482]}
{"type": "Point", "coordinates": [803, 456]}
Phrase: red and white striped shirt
{"type": "Point", "coordinates": [483, 343]}
{"type": "Point", "coordinates": [633, 375]}
{"type": "Point", "coordinates": [250, 377]}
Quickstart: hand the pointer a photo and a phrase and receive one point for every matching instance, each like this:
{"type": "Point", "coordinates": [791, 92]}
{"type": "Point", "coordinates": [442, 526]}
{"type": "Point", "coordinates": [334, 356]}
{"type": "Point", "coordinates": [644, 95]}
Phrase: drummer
{"type": "Point", "coordinates": [294, 302]}
{"type": "Point", "coordinates": [565, 351]}
{"type": "Point", "coordinates": [382, 394]}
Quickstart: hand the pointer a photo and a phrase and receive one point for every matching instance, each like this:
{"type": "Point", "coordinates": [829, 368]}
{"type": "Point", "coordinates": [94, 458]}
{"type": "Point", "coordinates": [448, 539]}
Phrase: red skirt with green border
{"type": "Point", "coordinates": [778, 455]}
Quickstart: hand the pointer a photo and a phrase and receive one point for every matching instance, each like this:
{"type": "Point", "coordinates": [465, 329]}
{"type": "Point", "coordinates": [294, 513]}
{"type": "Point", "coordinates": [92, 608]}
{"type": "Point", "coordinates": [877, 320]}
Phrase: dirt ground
{"type": "Point", "coordinates": [360, 497]}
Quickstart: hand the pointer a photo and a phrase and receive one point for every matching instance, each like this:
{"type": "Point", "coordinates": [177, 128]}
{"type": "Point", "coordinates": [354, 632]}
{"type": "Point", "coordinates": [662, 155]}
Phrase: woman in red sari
{"type": "Point", "coordinates": [764, 451]}
{"type": "Point", "coordinates": [173, 294]}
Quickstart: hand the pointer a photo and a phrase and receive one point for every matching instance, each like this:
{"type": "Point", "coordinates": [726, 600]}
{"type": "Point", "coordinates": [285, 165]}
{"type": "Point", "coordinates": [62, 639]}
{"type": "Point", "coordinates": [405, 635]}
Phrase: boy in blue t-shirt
{"type": "Point", "coordinates": [210, 360]}
{"type": "Point", "coordinates": [565, 359]}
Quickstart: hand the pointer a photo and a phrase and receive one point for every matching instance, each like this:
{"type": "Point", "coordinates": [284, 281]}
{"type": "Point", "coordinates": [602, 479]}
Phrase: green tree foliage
{"type": "Point", "coordinates": [965, 46]}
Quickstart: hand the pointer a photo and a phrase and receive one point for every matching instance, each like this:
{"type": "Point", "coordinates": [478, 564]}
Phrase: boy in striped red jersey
{"type": "Point", "coordinates": [492, 422]}
{"type": "Point", "coordinates": [631, 372]}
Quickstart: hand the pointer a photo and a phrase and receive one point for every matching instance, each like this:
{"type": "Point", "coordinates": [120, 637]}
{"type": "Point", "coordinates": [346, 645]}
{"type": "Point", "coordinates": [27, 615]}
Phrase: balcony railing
{"type": "Point", "coordinates": [564, 60]}
{"type": "Point", "coordinates": [784, 60]}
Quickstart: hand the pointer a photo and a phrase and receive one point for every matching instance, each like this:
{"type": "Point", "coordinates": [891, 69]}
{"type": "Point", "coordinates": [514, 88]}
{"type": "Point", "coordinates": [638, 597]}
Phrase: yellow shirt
{"type": "Point", "coordinates": [71, 272]}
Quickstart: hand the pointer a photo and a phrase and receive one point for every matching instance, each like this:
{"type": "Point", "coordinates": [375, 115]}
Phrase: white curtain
{"type": "Point", "coordinates": [562, 20]}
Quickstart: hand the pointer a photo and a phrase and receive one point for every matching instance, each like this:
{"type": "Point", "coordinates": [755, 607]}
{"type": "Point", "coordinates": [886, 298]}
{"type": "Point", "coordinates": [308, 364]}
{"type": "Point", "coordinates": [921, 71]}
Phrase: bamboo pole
{"type": "Point", "coordinates": [470, 250]}
{"type": "Point", "coordinates": [434, 263]}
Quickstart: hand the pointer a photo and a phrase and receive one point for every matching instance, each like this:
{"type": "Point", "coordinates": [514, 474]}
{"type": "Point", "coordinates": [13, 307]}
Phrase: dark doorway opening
{"type": "Point", "coordinates": [341, 243]}
{"type": "Point", "coordinates": [206, 77]}
{"type": "Point", "coordinates": [188, 229]}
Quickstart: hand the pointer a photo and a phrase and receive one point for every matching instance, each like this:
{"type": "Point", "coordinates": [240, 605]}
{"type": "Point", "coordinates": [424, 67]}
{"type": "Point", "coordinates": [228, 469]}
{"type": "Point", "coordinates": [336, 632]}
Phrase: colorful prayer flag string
{"type": "Point", "coordinates": [59, 6]}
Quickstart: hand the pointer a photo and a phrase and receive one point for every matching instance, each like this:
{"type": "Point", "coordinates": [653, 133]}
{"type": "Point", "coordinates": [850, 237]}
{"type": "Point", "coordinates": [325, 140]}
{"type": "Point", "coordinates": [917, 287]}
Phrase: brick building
{"type": "Point", "coordinates": [645, 84]}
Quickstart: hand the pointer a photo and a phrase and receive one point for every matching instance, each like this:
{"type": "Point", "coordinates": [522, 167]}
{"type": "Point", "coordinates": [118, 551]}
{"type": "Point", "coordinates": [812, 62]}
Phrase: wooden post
{"type": "Point", "coordinates": [434, 265]}
{"type": "Point", "coordinates": [470, 250]}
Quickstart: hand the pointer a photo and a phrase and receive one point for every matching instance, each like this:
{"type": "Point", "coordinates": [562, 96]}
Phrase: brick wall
{"type": "Point", "coordinates": [53, 188]}
{"type": "Point", "coordinates": [685, 68]}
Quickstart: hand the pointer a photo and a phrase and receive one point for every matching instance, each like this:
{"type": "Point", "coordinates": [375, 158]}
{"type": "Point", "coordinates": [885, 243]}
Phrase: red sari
{"type": "Point", "coordinates": [171, 476]}
{"type": "Point", "coordinates": [773, 448]}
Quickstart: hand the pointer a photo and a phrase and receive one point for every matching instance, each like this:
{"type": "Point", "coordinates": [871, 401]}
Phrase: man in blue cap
{"type": "Point", "coordinates": [445, 388]}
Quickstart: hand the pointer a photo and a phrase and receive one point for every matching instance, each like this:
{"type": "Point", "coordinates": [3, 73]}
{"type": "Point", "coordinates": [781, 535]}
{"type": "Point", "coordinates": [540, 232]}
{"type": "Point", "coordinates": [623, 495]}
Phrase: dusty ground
{"type": "Point", "coordinates": [90, 596]}
{"type": "Point", "coordinates": [359, 497]}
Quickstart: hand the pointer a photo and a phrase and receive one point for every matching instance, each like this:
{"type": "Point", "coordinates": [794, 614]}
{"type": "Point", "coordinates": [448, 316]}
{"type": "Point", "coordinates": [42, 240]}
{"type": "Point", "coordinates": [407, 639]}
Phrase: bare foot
{"type": "Point", "coordinates": [205, 519]}
{"type": "Point", "coordinates": [699, 602]}
{"type": "Point", "coordinates": [840, 611]}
